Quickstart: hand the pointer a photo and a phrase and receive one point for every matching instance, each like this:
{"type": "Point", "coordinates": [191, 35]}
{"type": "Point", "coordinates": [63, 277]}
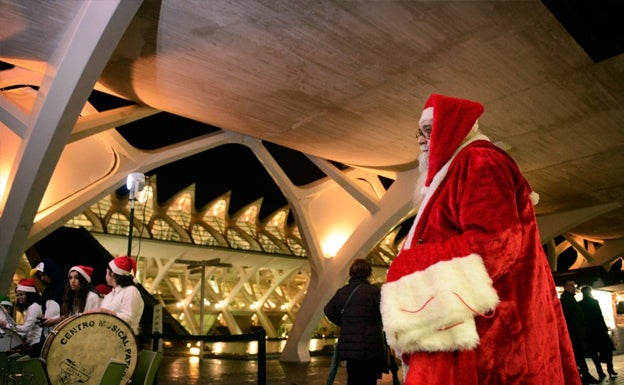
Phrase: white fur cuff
{"type": "Point", "coordinates": [434, 309]}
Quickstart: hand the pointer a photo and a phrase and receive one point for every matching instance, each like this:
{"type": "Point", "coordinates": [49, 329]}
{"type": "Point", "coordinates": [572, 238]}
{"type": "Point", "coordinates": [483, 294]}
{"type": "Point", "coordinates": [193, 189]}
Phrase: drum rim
{"type": "Point", "coordinates": [53, 333]}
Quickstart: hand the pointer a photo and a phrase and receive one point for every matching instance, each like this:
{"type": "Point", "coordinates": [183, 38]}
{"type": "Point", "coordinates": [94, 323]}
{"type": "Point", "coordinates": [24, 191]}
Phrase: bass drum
{"type": "Point", "coordinates": [79, 349]}
{"type": "Point", "coordinates": [9, 339]}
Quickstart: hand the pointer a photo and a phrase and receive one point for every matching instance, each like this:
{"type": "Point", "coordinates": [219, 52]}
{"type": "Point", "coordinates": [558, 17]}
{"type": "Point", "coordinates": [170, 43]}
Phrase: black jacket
{"type": "Point", "coordinates": [361, 334]}
{"type": "Point", "coordinates": [598, 338]}
{"type": "Point", "coordinates": [575, 319]}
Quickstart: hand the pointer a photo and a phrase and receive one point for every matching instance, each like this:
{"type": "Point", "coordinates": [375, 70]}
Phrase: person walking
{"type": "Point", "coordinates": [575, 322]}
{"type": "Point", "coordinates": [355, 308]}
{"type": "Point", "coordinates": [599, 343]}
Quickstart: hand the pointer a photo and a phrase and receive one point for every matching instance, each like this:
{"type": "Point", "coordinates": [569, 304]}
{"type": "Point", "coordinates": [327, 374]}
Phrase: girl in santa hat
{"type": "Point", "coordinates": [29, 304]}
{"type": "Point", "coordinates": [79, 295]}
{"type": "Point", "coordinates": [124, 301]}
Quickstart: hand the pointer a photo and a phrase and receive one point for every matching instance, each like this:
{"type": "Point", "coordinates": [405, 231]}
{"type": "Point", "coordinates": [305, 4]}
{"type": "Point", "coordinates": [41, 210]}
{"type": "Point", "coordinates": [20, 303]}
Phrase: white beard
{"type": "Point", "coordinates": [423, 165]}
{"type": "Point", "coordinates": [423, 161]}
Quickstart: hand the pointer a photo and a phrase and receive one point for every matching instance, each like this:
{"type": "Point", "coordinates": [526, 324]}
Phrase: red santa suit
{"type": "Point", "coordinates": [470, 298]}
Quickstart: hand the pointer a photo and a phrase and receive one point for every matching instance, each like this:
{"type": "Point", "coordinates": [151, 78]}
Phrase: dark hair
{"type": "Point", "coordinates": [76, 299]}
{"type": "Point", "coordinates": [122, 280]}
{"type": "Point", "coordinates": [30, 299]}
{"type": "Point", "coordinates": [360, 268]}
{"type": "Point", "coordinates": [586, 290]}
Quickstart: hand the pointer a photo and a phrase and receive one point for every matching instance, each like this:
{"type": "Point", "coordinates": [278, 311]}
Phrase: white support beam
{"type": "Point", "coordinates": [347, 184]}
{"type": "Point", "coordinates": [75, 65]}
{"type": "Point", "coordinates": [13, 117]}
{"type": "Point", "coordinates": [94, 123]}
{"type": "Point", "coordinates": [130, 160]}
{"type": "Point", "coordinates": [612, 249]}
{"type": "Point", "coordinates": [579, 248]}
{"type": "Point", "coordinates": [555, 224]}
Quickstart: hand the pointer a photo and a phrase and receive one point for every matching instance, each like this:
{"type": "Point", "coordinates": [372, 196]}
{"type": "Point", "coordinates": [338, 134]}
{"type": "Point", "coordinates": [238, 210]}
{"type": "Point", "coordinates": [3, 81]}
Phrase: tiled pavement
{"type": "Point", "coordinates": [618, 364]}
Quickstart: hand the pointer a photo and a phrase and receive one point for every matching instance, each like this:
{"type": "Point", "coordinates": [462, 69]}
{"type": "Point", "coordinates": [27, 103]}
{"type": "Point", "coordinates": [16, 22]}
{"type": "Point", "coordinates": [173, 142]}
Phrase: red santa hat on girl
{"type": "Point", "coordinates": [453, 118]}
{"type": "Point", "coordinates": [26, 285]}
{"type": "Point", "coordinates": [85, 271]}
{"type": "Point", "coordinates": [123, 265]}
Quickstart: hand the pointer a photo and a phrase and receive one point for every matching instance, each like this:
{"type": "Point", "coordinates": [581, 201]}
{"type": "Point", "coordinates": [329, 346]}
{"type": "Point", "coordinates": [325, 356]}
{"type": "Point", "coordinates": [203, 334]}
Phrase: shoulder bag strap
{"type": "Point", "coordinates": [349, 297]}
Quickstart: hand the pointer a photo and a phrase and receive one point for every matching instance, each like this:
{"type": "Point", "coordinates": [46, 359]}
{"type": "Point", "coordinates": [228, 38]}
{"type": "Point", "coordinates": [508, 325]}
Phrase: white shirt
{"type": "Point", "coordinates": [53, 310]}
{"type": "Point", "coordinates": [127, 303]}
{"type": "Point", "coordinates": [30, 329]}
{"type": "Point", "coordinates": [93, 301]}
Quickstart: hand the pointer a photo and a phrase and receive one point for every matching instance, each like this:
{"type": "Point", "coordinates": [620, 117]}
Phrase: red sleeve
{"type": "Point", "coordinates": [473, 211]}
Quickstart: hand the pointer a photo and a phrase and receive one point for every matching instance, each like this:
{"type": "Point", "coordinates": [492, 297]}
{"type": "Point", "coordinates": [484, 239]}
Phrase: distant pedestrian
{"type": "Point", "coordinates": [355, 308]}
{"type": "Point", "coordinates": [599, 344]}
{"type": "Point", "coordinates": [575, 321]}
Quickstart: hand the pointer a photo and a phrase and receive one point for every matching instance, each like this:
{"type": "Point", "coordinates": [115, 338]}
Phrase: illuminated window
{"type": "Point", "coordinates": [268, 245]}
{"type": "Point", "coordinates": [119, 225]}
{"type": "Point", "coordinates": [215, 215]}
{"type": "Point", "coordinates": [180, 210]}
{"type": "Point", "coordinates": [80, 220]}
{"type": "Point", "coordinates": [162, 230]}
{"type": "Point", "coordinates": [101, 207]}
{"type": "Point", "coordinates": [296, 247]}
{"type": "Point", "coordinates": [201, 236]}
{"type": "Point", "coordinates": [276, 224]}
{"type": "Point", "coordinates": [237, 241]}
{"type": "Point", "coordinates": [247, 221]}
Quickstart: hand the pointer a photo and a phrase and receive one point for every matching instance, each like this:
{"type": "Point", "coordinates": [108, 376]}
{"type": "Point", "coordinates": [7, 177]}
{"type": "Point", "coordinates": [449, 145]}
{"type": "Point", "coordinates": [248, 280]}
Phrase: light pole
{"type": "Point", "coordinates": [135, 183]}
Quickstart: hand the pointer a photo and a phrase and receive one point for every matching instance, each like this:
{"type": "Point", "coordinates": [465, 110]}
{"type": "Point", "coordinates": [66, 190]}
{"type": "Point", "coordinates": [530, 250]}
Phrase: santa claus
{"type": "Point", "coordinates": [470, 298]}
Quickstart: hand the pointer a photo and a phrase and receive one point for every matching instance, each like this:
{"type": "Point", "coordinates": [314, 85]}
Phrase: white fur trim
{"type": "Point", "coordinates": [80, 271]}
{"type": "Point", "coordinates": [534, 198]}
{"type": "Point", "coordinates": [433, 309]}
{"type": "Point", "coordinates": [115, 269]}
{"type": "Point", "coordinates": [464, 336]}
{"type": "Point", "coordinates": [26, 289]}
{"type": "Point", "coordinates": [427, 114]}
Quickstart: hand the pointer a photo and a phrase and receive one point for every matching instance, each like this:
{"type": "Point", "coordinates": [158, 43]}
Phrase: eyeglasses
{"type": "Point", "coordinates": [424, 131]}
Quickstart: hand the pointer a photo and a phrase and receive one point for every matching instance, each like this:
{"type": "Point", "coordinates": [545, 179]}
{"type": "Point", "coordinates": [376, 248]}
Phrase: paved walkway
{"type": "Point", "coordinates": [185, 370]}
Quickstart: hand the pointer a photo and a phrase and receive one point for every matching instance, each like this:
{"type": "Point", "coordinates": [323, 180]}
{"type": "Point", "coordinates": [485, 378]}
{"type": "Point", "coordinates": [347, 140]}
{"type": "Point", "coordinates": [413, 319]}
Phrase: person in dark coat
{"type": "Point", "coordinates": [599, 343]}
{"type": "Point", "coordinates": [575, 320]}
{"type": "Point", "coordinates": [49, 273]}
{"type": "Point", "coordinates": [355, 308]}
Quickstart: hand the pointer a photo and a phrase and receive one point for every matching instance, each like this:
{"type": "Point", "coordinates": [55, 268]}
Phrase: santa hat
{"type": "Point", "coordinates": [5, 301]}
{"type": "Point", "coordinates": [103, 288]}
{"type": "Point", "coordinates": [123, 265]}
{"type": "Point", "coordinates": [85, 271]}
{"type": "Point", "coordinates": [453, 118]}
{"type": "Point", "coordinates": [26, 285]}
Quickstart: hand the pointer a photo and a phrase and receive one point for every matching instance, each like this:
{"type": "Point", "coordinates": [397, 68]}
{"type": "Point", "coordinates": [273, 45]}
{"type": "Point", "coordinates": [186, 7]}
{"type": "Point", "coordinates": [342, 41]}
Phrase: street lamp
{"type": "Point", "coordinates": [135, 182]}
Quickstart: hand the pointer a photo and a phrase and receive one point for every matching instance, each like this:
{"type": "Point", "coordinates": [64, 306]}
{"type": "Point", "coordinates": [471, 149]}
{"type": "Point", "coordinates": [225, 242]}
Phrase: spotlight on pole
{"type": "Point", "coordinates": [135, 183]}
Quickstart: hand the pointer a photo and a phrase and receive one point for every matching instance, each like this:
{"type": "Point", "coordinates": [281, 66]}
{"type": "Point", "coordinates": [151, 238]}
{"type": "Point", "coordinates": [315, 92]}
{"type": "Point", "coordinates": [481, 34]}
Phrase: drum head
{"type": "Point", "coordinates": [9, 339]}
{"type": "Point", "coordinates": [80, 348]}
